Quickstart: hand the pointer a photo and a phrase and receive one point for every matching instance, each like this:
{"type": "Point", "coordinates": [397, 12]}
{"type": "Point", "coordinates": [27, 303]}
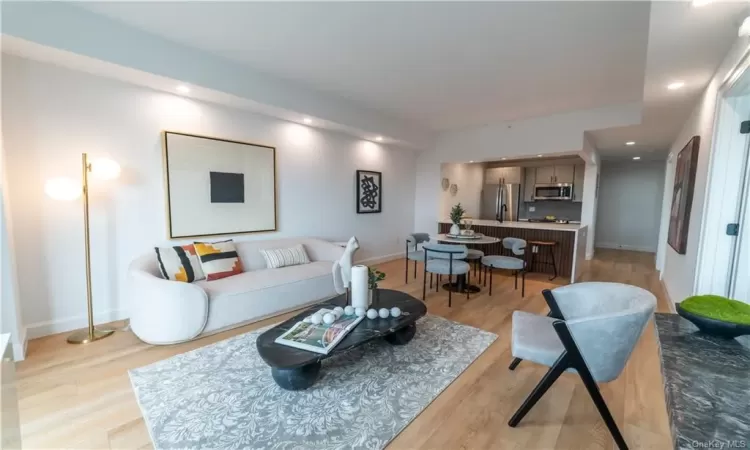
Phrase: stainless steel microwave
{"type": "Point", "coordinates": [553, 191]}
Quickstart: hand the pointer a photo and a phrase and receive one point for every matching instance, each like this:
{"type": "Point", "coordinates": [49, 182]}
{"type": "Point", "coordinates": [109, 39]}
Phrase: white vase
{"type": "Point", "coordinates": [455, 229]}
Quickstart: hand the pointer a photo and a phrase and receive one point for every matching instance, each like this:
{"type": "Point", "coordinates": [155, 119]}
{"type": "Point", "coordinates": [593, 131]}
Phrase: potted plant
{"type": "Point", "coordinates": [457, 212]}
{"type": "Point", "coordinates": [374, 277]}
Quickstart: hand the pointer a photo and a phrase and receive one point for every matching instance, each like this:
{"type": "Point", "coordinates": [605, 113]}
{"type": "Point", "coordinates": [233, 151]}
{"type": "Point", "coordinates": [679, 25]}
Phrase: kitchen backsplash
{"type": "Point", "coordinates": [559, 209]}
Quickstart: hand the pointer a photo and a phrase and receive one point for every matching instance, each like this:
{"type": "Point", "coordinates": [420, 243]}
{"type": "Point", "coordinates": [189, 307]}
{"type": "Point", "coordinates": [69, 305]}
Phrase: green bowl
{"type": "Point", "coordinates": [716, 315]}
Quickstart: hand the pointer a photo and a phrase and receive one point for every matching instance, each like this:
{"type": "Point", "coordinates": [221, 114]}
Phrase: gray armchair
{"type": "Point", "coordinates": [591, 329]}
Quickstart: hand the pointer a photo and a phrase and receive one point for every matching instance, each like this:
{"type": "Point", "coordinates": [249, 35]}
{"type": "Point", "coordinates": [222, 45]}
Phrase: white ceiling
{"type": "Point", "coordinates": [685, 43]}
{"type": "Point", "coordinates": [443, 65]}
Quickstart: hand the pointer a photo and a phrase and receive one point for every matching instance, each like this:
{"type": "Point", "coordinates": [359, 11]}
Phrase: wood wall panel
{"type": "Point", "coordinates": [563, 250]}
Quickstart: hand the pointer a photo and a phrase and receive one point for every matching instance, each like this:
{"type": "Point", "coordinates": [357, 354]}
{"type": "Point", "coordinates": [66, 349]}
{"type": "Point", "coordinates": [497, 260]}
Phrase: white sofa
{"type": "Point", "coordinates": [168, 312]}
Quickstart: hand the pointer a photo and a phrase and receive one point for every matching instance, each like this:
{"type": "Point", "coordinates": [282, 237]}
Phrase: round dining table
{"type": "Point", "coordinates": [461, 285]}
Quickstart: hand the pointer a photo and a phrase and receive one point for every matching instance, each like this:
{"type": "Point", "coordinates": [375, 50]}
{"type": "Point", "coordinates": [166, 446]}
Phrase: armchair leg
{"type": "Point", "coordinates": [515, 274]}
{"type": "Point", "coordinates": [430, 279]}
{"type": "Point", "coordinates": [515, 363]}
{"type": "Point", "coordinates": [424, 283]}
{"type": "Point", "coordinates": [406, 272]}
{"type": "Point", "coordinates": [450, 291]}
{"type": "Point", "coordinates": [523, 283]}
{"type": "Point", "coordinates": [577, 362]}
{"type": "Point", "coordinates": [552, 374]}
{"type": "Point", "coordinates": [490, 281]}
{"type": "Point", "coordinates": [415, 270]}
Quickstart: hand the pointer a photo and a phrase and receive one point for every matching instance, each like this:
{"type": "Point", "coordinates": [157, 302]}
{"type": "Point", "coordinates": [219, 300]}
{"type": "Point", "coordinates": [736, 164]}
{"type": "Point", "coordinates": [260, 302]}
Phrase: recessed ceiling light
{"type": "Point", "coordinates": [307, 120]}
{"type": "Point", "coordinates": [183, 89]}
{"type": "Point", "coordinates": [636, 158]}
{"type": "Point", "coordinates": [699, 3]}
{"type": "Point", "coordinates": [503, 159]}
{"type": "Point", "coordinates": [471, 161]}
{"type": "Point", "coordinates": [379, 138]}
{"type": "Point", "coordinates": [630, 143]}
{"type": "Point", "coordinates": [675, 85]}
{"type": "Point", "coordinates": [538, 156]}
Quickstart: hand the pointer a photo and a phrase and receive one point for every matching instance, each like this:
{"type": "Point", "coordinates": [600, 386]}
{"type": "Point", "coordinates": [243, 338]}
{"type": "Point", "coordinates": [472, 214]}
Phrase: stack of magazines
{"type": "Point", "coordinates": [322, 337]}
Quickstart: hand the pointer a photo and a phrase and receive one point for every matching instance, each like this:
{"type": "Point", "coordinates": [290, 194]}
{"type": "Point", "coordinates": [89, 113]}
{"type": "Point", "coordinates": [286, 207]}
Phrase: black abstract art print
{"type": "Point", "coordinates": [227, 187]}
{"type": "Point", "coordinates": [369, 192]}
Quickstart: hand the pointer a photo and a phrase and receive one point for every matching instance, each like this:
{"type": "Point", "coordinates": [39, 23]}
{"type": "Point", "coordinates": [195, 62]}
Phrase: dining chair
{"type": "Point", "coordinates": [591, 329]}
{"type": "Point", "coordinates": [444, 259]}
{"type": "Point", "coordinates": [517, 265]}
{"type": "Point", "coordinates": [414, 255]}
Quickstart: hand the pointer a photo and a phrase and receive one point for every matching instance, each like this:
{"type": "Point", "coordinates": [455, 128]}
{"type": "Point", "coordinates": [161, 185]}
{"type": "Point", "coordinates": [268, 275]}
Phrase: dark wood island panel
{"type": "Point", "coordinates": [563, 250]}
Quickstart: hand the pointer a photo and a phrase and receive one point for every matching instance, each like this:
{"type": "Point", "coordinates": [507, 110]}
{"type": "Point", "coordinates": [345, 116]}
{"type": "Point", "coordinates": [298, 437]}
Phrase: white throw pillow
{"type": "Point", "coordinates": [282, 257]}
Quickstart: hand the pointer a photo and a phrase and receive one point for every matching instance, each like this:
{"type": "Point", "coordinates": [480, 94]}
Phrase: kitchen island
{"type": "Point", "coordinates": [569, 252]}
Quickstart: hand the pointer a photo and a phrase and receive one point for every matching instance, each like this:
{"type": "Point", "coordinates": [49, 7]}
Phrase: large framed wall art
{"type": "Point", "coordinates": [218, 186]}
{"type": "Point", "coordinates": [682, 195]}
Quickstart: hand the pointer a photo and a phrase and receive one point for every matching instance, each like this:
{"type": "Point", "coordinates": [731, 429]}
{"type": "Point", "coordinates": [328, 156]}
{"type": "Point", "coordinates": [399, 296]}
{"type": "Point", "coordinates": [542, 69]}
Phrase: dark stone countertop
{"type": "Point", "coordinates": [706, 384]}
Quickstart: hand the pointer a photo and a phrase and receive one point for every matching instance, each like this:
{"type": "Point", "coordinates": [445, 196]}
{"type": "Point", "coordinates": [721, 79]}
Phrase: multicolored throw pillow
{"type": "Point", "coordinates": [282, 257]}
{"type": "Point", "coordinates": [218, 259]}
{"type": "Point", "coordinates": [179, 263]}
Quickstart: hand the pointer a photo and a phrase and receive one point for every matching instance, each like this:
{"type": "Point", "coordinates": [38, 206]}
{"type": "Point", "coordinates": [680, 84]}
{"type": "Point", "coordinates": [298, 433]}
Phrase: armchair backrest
{"type": "Point", "coordinates": [415, 239]}
{"type": "Point", "coordinates": [605, 320]}
{"type": "Point", "coordinates": [516, 245]}
{"type": "Point", "coordinates": [445, 251]}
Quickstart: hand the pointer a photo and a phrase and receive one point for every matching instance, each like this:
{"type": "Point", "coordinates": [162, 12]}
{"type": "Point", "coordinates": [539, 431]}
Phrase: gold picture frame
{"type": "Point", "coordinates": [268, 219]}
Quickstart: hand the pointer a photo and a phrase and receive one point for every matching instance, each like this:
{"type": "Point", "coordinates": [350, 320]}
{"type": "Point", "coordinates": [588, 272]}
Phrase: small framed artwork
{"type": "Point", "coordinates": [218, 186]}
{"type": "Point", "coordinates": [369, 192]}
{"type": "Point", "coordinates": [682, 195]}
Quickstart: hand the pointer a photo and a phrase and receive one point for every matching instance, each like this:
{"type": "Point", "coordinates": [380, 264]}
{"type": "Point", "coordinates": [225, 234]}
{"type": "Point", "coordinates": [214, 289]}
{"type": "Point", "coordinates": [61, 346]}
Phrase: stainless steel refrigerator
{"type": "Point", "coordinates": [500, 202]}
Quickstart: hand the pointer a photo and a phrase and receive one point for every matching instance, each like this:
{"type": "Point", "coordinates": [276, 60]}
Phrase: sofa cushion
{"type": "Point", "coordinates": [179, 263]}
{"type": "Point", "coordinates": [283, 257]}
{"type": "Point", "coordinates": [218, 259]}
{"type": "Point", "coordinates": [263, 279]}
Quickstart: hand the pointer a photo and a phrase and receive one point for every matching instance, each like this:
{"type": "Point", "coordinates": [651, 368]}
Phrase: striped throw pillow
{"type": "Point", "coordinates": [179, 263]}
{"type": "Point", "coordinates": [282, 257]}
{"type": "Point", "coordinates": [218, 259]}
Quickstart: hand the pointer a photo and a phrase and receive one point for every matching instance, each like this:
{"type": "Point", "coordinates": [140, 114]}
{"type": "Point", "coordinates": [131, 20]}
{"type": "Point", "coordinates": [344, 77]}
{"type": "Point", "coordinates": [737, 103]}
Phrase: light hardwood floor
{"type": "Point", "coordinates": [80, 396]}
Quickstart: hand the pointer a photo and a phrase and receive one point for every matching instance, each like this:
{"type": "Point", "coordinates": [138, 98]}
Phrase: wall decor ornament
{"type": "Point", "coordinates": [369, 192]}
{"type": "Point", "coordinates": [454, 189]}
{"type": "Point", "coordinates": [446, 183]}
{"type": "Point", "coordinates": [218, 186]}
{"type": "Point", "coordinates": [682, 195]}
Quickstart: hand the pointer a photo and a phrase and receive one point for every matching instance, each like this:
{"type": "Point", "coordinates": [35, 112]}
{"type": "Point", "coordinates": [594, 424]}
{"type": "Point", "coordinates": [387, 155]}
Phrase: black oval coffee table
{"type": "Point", "coordinates": [295, 369]}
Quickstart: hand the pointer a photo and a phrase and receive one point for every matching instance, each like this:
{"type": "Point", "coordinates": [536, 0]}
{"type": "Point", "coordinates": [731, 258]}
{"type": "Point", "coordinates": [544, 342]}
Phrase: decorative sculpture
{"type": "Point", "coordinates": [342, 269]}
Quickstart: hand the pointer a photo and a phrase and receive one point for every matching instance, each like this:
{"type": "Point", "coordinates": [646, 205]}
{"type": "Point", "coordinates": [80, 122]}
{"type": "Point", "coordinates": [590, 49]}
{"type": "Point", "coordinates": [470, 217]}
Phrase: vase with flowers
{"type": "Point", "coordinates": [374, 277]}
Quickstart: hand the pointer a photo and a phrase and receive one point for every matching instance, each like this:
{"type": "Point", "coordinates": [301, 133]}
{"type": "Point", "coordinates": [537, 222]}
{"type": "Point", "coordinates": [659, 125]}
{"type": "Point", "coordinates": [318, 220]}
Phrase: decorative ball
{"type": "Point", "coordinates": [372, 314]}
{"type": "Point", "coordinates": [395, 311]}
{"type": "Point", "coordinates": [359, 312]}
{"type": "Point", "coordinates": [316, 318]}
{"type": "Point", "coordinates": [338, 310]}
{"type": "Point", "coordinates": [329, 318]}
{"type": "Point", "coordinates": [307, 319]}
{"type": "Point", "coordinates": [337, 314]}
{"type": "Point", "coordinates": [384, 313]}
{"type": "Point", "coordinates": [349, 310]}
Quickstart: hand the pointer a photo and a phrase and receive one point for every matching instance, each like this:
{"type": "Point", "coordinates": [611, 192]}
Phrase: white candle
{"type": "Point", "coordinates": [360, 287]}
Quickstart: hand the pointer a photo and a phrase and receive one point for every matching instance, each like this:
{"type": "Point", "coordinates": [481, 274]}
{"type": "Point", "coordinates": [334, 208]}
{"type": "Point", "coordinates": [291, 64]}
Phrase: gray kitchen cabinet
{"type": "Point", "coordinates": [578, 182]}
{"type": "Point", "coordinates": [512, 175]}
{"type": "Point", "coordinates": [528, 184]}
{"type": "Point", "coordinates": [492, 176]}
{"type": "Point", "coordinates": [564, 174]}
{"type": "Point", "coordinates": [545, 174]}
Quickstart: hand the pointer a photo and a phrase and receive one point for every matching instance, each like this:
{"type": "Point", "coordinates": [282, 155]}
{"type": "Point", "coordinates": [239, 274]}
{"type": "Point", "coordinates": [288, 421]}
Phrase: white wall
{"type": "Point", "coordinates": [470, 180]}
{"type": "Point", "coordinates": [629, 211]}
{"type": "Point", "coordinates": [558, 134]}
{"type": "Point", "coordinates": [590, 200]}
{"type": "Point", "coordinates": [679, 271]}
{"type": "Point", "coordinates": [52, 114]}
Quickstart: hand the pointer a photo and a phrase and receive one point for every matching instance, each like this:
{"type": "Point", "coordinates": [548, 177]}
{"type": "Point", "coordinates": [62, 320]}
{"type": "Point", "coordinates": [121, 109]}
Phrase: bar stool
{"type": "Point", "coordinates": [549, 248]}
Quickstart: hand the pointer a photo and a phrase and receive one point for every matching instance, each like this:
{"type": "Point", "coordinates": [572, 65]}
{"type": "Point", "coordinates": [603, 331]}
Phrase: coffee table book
{"type": "Point", "coordinates": [319, 338]}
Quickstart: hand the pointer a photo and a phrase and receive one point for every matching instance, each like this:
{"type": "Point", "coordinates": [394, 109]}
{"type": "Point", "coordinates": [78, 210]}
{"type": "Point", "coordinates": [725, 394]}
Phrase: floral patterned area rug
{"type": "Point", "coordinates": [222, 396]}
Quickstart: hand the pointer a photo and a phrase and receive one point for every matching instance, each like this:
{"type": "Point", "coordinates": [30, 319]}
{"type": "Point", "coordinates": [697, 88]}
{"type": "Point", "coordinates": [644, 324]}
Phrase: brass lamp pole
{"type": "Point", "coordinates": [91, 333]}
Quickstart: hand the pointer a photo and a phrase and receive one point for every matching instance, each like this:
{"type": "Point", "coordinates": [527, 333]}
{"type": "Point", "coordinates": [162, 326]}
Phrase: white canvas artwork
{"type": "Point", "coordinates": [218, 187]}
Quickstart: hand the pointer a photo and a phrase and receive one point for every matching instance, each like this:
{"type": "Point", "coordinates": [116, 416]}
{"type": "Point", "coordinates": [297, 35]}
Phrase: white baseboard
{"type": "Point", "coordinates": [39, 329]}
{"type": "Point", "coordinates": [625, 247]}
{"type": "Point", "coordinates": [382, 259]}
{"type": "Point", "coordinates": [670, 303]}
